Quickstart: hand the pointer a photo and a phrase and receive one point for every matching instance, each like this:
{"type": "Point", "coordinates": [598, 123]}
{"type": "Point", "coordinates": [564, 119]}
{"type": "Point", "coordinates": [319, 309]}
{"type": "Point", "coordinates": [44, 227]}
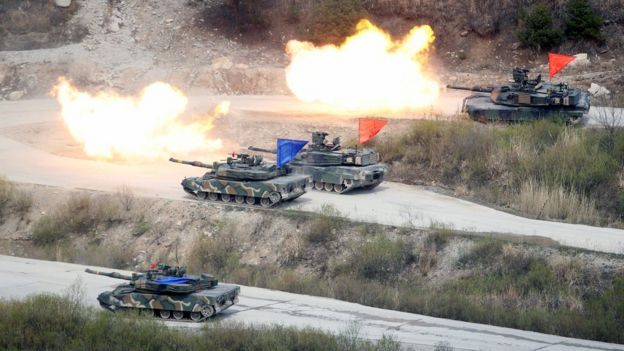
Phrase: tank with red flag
{"type": "Point", "coordinates": [333, 168]}
{"type": "Point", "coordinates": [527, 99]}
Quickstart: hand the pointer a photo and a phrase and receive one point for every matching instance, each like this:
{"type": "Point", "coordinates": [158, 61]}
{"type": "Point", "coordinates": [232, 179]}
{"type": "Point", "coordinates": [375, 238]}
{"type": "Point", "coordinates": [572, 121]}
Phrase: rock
{"type": "Point", "coordinates": [62, 3]}
{"type": "Point", "coordinates": [16, 95]}
{"type": "Point", "coordinates": [113, 26]}
{"type": "Point", "coordinates": [222, 63]}
{"type": "Point", "coordinates": [581, 60]}
{"type": "Point", "coordinates": [597, 90]}
{"type": "Point", "coordinates": [464, 33]}
{"type": "Point", "coordinates": [516, 45]}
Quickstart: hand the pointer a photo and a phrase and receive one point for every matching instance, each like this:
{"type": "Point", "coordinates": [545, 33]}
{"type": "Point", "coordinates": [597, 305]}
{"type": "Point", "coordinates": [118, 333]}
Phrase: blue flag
{"type": "Point", "coordinates": [173, 280]}
{"type": "Point", "coordinates": [287, 150]}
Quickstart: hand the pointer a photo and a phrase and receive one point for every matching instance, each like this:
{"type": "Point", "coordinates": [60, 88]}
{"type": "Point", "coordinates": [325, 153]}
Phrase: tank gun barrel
{"type": "Point", "coordinates": [259, 149]}
{"type": "Point", "coordinates": [191, 163]}
{"type": "Point", "coordinates": [109, 274]}
{"type": "Point", "coordinates": [474, 88]}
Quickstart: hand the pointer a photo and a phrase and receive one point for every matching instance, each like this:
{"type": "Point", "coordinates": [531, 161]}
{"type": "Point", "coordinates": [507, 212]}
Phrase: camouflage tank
{"type": "Point", "coordinates": [244, 179]}
{"type": "Point", "coordinates": [525, 100]}
{"type": "Point", "coordinates": [333, 168]}
{"type": "Point", "coordinates": [168, 292]}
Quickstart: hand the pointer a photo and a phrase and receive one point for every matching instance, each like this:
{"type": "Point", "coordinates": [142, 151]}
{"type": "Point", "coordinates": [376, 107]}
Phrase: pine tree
{"type": "Point", "coordinates": [582, 22]}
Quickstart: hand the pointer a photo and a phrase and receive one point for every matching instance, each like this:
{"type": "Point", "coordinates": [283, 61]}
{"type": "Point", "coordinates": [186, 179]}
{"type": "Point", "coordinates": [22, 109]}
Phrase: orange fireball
{"type": "Point", "coordinates": [145, 127]}
{"type": "Point", "coordinates": [368, 72]}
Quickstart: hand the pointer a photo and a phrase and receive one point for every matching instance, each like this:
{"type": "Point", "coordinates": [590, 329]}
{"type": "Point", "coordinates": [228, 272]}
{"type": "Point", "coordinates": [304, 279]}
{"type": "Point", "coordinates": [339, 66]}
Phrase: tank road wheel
{"type": "Point", "coordinates": [208, 311]}
{"type": "Point", "coordinates": [202, 195]}
{"type": "Point", "coordinates": [239, 199]}
{"type": "Point", "coordinates": [196, 316]}
{"type": "Point", "coordinates": [164, 314]}
{"type": "Point", "coordinates": [226, 197]}
{"type": "Point", "coordinates": [213, 196]}
{"type": "Point", "coordinates": [265, 202]}
{"type": "Point", "coordinates": [250, 200]}
{"type": "Point", "coordinates": [328, 187]}
{"type": "Point", "coordinates": [177, 315]}
{"type": "Point", "coordinates": [319, 186]}
{"type": "Point", "coordinates": [339, 188]}
{"type": "Point", "coordinates": [275, 198]}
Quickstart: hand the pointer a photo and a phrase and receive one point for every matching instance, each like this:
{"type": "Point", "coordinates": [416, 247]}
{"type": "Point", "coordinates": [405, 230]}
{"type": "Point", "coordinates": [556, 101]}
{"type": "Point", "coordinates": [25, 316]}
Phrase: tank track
{"type": "Point", "coordinates": [241, 200]}
{"type": "Point", "coordinates": [177, 316]}
{"type": "Point", "coordinates": [340, 188]}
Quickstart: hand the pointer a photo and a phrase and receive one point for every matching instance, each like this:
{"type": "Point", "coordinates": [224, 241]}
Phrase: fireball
{"type": "Point", "coordinates": [147, 127]}
{"type": "Point", "coordinates": [368, 72]}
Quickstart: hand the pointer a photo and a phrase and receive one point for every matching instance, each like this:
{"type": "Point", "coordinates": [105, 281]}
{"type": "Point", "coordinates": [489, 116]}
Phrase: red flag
{"type": "Point", "coordinates": [369, 127]}
{"type": "Point", "coordinates": [557, 62]}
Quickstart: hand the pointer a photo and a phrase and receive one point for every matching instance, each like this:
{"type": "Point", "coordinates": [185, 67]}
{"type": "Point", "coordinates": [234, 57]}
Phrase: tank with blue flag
{"type": "Point", "coordinates": [333, 168]}
{"type": "Point", "coordinates": [168, 292]}
{"type": "Point", "coordinates": [245, 180]}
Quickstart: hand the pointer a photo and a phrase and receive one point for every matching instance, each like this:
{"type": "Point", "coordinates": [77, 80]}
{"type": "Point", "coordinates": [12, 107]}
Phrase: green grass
{"type": "Point", "coordinates": [579, 167]}
{"type": "Point", "coordinates": [48, 322]}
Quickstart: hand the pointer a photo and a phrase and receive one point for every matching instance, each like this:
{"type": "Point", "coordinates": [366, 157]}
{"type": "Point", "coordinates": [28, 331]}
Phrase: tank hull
{"type": "Point", "coordinates": [342, 179]}
{"type": "Point", "coordinates": [480, 108]}
{"type": "Point", "coordinates": [197, 306]}
{"type": "Point", "coordinates": [265, 193]}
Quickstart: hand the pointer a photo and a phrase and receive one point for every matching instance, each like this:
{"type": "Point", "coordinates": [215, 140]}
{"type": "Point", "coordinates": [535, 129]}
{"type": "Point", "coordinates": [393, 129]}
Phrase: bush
{"type": "Point", "coordinates": [582, 22]}
{"type": "Point", "coordinates": [380, 259]}
{"type": "Point", "coordinates": [48, 230]}
{"type": "Point", "coordinates": [80, 214]}
{"type": "Point", "coordinates": [323, 228]}
{"type": "Point", "coordinates": [485, 252]}
{"type": "Point", "coordinates": [216, 255]}
{"type": "Point", "coordinates": [49, 322]}
{"type": "Point", "coordinates": [539, 32]}
{"type": "Point", "coordinates": [333, 20]}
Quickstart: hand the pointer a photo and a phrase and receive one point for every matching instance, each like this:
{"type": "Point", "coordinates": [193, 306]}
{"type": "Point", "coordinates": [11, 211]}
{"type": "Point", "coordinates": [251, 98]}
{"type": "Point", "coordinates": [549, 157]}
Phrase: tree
{"type": "Point", "coordinates": [582, 22]}
{"type": "Point", "coordinates": [334, 20]}
{"type": "Point", "coordinates": [539, 32]}
{"type": "Point", "coordinates": [610, 115]}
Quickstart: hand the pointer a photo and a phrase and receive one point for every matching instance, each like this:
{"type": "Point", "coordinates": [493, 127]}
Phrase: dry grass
{"type": "Point", "coordinates": [542, 202]}
{"type": "Point", "coordinates": [79, 214]}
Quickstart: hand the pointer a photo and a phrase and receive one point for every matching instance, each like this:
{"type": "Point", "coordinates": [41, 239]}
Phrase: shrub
{"type": "Point", "coordinates": [79, 214]}
{"type": "Point", "coordinates": [48, 230]}
{"type": "Point", "coordinates": [215, 255]}
{"type": "Point", "coordinates": [49, 322]}
{"type": "Point", "coordinates": [324, 227]}
{"type": "Point", "coordinates": [380, 258]}
{"type": "Point", "coordinates": [485, 252]}
{"type": "Point", "coordinates": [582, 22]}
{"type": "Point", "coordinates": [6, 194]}
{"type": "Point", "coordinates": [333, 20]}
{"type": "Point", "coordinates": [22, 202]}
{"type": "Point", "coordinates": [539, 32]}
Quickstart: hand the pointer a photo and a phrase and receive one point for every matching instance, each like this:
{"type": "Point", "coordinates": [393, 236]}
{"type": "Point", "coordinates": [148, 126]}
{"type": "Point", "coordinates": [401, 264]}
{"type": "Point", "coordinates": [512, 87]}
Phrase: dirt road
{"type": "Point", "coordinates": [20, 277]}
{"type": "Point", "coordinates": [390, 203]}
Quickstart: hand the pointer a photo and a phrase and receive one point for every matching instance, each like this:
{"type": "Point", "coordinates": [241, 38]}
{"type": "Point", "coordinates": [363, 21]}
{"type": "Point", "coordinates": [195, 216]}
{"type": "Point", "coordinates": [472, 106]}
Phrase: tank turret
{"type": "Point", "coordinates": [246, 180]}
{"type": "Point", "coordinates": [525, 99]}
{"type": "Point", "coordinates": [334, 168]}
{"type": "Point", "coordinates": [168, 292]}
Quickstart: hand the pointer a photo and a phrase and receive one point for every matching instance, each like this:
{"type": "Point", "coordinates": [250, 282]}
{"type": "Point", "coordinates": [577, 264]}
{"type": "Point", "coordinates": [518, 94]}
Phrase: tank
{"type": "Point", "coordinates": [245, 180]}
{"type": "Point", "coordinates": [333, 168]}
{"type": "Point", "coordinates": [525, 99]}
{"type": "Point", "coordinates": [168, 292]}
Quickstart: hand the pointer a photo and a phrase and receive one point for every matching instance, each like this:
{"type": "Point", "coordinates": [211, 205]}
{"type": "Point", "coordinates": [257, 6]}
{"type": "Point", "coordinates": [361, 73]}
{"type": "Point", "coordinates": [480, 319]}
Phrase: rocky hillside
{"type": "Point", "coordinates": [237, 46]}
